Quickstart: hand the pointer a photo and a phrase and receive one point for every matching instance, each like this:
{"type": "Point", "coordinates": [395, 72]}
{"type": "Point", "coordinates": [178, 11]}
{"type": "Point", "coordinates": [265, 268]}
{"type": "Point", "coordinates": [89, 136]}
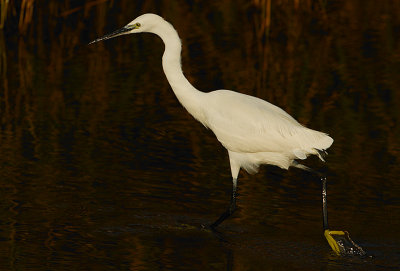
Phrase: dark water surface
{"type": "Point", "coordinates": [102, 169]}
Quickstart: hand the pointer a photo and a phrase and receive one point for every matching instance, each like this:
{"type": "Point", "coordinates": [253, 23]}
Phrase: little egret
{"type": "Point", "coordinates": [253, 131]}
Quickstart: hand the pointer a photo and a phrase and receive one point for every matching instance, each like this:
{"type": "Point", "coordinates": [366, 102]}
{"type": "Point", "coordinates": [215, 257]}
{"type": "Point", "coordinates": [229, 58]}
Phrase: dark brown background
{"type": "Point", "coordinates": [102, 169]}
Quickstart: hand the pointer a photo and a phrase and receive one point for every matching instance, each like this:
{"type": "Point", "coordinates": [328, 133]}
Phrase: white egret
{"type": "Point", "coordinates": [253, 131]}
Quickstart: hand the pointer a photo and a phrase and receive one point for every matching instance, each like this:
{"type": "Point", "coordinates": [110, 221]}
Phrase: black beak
{"type": "Point", "coordinates": [121, 31]}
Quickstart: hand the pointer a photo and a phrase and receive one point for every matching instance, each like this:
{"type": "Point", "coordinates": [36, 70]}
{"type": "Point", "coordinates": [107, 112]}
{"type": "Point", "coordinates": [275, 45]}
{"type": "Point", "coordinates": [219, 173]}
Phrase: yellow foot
{"type": "Point", "coordinates": [341, 243]}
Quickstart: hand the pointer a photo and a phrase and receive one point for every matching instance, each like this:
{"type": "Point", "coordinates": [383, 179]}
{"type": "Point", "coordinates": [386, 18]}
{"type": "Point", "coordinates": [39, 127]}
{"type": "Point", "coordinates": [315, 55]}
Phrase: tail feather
{"type": "Point", "coordinates": [322, 154]}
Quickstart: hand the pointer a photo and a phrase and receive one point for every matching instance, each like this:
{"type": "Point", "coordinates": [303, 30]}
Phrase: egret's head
{"type": "Point", "coordinates": [143, 23]}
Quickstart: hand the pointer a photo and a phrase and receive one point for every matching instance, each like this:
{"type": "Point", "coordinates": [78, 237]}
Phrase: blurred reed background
{"type": "Point", "coordinates": [282, 49]}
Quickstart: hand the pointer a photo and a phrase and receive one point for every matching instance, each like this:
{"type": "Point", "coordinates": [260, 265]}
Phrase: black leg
{"type": "Point", "coordinates": [324, 204]}
{"type": "Point", "coordinates": [231, 208]}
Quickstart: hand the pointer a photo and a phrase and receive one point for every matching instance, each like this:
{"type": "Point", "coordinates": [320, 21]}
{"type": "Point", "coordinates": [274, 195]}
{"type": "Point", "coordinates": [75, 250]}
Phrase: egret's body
{"type": "Point", "coordinates": [253, 131]}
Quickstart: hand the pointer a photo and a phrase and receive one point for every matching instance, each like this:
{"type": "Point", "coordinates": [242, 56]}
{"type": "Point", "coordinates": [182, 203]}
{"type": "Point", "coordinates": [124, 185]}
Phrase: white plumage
{"type": "Point", "coordinates": [253, 131]}
{"type": "Point", "coordinates": [258, 132]}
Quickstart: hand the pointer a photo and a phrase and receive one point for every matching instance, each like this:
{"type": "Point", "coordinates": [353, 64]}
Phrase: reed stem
{"type": "Point", "coordinates": [3, 12]}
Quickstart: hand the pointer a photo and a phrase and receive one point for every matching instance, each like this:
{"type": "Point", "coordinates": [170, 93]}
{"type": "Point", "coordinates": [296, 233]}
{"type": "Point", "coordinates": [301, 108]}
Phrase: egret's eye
{"type": "Point", "coordinates": [137, 24]}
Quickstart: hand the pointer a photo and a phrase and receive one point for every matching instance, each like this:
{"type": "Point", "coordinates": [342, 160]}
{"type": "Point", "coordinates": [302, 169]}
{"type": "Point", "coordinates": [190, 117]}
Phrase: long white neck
{"type": "Point", "coordinates": [188, 96]}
